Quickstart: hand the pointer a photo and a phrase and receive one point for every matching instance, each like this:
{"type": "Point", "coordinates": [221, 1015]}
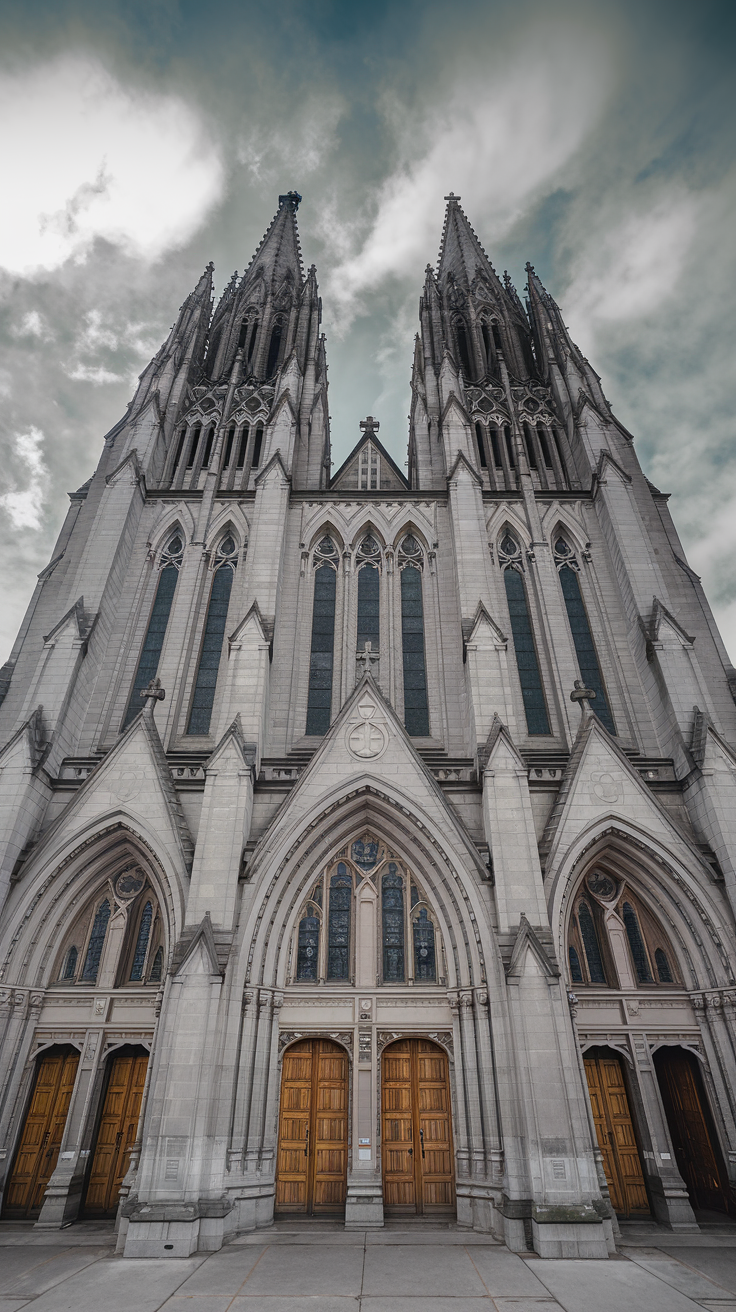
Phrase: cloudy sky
{"type": "Point", "coordinates": [140, 140]}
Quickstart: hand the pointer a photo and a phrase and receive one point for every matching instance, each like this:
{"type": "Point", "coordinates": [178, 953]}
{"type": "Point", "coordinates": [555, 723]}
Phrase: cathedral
{"type": "Point", "coordinates": [368, 839]}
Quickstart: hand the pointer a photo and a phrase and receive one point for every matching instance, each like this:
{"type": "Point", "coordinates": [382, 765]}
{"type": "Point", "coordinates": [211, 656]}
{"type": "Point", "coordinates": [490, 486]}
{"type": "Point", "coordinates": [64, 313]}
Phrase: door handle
{"type": "Point", "coordinates": [421, 1140]}
{"type": "Point", "coordinates": [118, 1138]}
{"type": "Point", "coordinates": [411, 1152]}
{"type": "Point", "coordinates": [306, 1143]}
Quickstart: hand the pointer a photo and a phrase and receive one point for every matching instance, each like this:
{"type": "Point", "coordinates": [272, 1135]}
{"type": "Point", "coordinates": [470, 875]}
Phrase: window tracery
{"type": "Point", "coordinates": [613, 939]}
{"type": "Point", "coordinates": [416, 705]}
{"type": "Point", "coordinates": [405, 934]}
{"type": "Point", "coordinates": [368, 567]}
{"type": "Point", "coordinates": [369, 467]}
{"type": "Point", "coordinates": [134, 954]}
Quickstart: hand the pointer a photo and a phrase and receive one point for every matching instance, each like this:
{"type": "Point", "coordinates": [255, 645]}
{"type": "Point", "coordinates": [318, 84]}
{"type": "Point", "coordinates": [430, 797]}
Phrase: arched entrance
{"type": "Point", "coordinates": [614, 1129]}
{"type": "Point", "coordinates": [40, 1141]}
{"type": "Point", "coordinates": [416, 1129]}
{"type": "Point", "coordinates": [116, 1132]}
{"type": "Point", "coordinates": [697, 1153]}
{"type": "Point", "coordinates": [312, 1158]}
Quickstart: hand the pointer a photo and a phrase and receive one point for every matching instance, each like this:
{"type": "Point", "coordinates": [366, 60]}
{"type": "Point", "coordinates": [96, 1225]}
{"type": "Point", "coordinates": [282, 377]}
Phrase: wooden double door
{"type": "Point", "coordinates": [38, 1151]}
{"type": "Point", "coordinates": [697, 1153]}
{"type": "Point", "coordinates": [116, 1133]}
{"type": "Point", "coordinates": [615, 1131]}
{"type": "Point", "coordinates": [416, 1134]}
{"type": "Point", "coordinates": [312, 1166]}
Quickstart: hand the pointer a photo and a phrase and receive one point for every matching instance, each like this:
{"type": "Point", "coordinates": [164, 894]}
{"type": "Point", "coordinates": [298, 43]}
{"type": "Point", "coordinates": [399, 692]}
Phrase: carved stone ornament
{"type": "Point", "coordinates": [386, 1036]}
{"type": "Point", "coordinates": [366, 740]}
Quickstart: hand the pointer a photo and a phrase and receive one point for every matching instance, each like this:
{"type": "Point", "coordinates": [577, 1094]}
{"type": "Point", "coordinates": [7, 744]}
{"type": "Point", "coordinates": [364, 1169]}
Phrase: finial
{"type": "Point", "coordinates": [452, 197]}
{"type": "Point", "coordinates": [292, 200]}
{"type": "Point", "coordinates": [369, 425]}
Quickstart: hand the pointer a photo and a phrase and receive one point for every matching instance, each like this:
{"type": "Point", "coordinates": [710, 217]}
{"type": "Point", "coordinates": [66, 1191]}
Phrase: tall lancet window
{"type": "Point", "coordinates": [321, 658]}
{"type": "Point", "coordinates": [226, 560]}
{"type": "Point", "coordinates": [369, 579]}
{"type": "Point", "coordinates": [171, 558]}
{"type": "Point", "coordinates": [535, 707]}
{"type": "Point", "coordinates": [582, 637]}
{"type": "Point", "coordinates": [416, 707]}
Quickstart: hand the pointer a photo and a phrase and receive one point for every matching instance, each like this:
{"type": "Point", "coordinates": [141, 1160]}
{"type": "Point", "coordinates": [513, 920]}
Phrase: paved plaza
{"type": "Point", "coordinates": [403, 1268]}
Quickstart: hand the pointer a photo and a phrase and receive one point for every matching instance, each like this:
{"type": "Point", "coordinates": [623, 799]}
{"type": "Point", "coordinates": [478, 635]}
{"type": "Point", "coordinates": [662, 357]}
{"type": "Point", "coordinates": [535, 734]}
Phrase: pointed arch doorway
{"type": "Point", "coordinates": [312, 1158]}
{"type": "Point", "coordinates": [116, 1132]}
{"type": "Point", "coordinates": [38, 1151]}
{"type": "Point", "coordinates": [416, 1130]}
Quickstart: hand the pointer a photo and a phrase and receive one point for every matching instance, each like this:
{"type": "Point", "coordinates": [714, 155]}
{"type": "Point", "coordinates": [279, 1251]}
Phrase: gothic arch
{"type": "Point", "coordinates": [327, 529]}
{"type": "Point", "coordinates": [44, 905]}
{"type": "Point", "coordinates": [666, 886]}
{"type": "Point", "coordinates": [368, 528]}
{"type": "Point", "coordinates": [411, 528]}
{"type": "Point", "coordinates": [172, 517]}
{"type": "Point", "coordinates": [288, 863]}
{"type": "Point", "coordinates": [506, 519]}
{"type": "Point", "coordinates": [230, 517]}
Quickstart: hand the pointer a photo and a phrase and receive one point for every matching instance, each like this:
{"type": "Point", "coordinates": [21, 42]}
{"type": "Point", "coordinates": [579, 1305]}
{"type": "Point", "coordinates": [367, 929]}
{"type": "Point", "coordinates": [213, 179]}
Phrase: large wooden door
{"type": "Point", "coordinates": [616, 1138]}
{"type": "Point", "coordinates": [416, 1135]}
{"type": "Point", "coordinates": [38, 1152]}
{"type": "Point", "coordinates": [698, 1157]}
{"type": "Point", "coordinates": [313, 1129]}
{"type": "Point", "coordinates": [116, 1134]}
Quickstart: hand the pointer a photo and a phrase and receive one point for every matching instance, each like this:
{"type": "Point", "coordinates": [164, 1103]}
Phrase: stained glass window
{"type": "Point", "coordinates": [274, 349]}
{"type": "Point", "coordinates": [307, 960]}
{"type": "Point", "coordinates": [424, 953]}
{"type": "Point", "coordinates": [583, 639]}
{"type": "Point", "coordinates": [96, 940]}
{"type": "Point", "coordinates": [636, 943]}
{"type": "Point", "coordinates": [70, 965]}
{"type": "Point", "coordinates": [214, 633]}
{"type": "Point", "coordinates": [392, 890]}
{"type": "Point", "coordinates": [663, 967]}
{"type": "Point", "coordinates": [338, 938]}
{"type": "Point", "coordinates": [157, 967]}
{"type": "Point", "coordinates": [526, 656]}
{"type": "Point", "coordinates": [141, 947]}
{"type": "Point", "coordinates": [156, 632]}
{"type": "Point", "coordinates": [576, 973]}
{"type": "Point", "coordinates": [319, 703]}
{"type": "Point", "coordinates": [416, 710]}
{"type": "Point", "coordinates": [591, 945]}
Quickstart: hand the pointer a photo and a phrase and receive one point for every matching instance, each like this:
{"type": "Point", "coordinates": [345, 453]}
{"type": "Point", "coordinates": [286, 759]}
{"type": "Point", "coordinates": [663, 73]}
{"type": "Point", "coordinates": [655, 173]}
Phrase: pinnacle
{"type": "Point", "coordinates": [279, 251]}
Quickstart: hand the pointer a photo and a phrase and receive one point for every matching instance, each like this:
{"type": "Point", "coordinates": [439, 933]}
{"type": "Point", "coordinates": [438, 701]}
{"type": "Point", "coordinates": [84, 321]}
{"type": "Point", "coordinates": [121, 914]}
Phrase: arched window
{"type": "Point", "coordinates": [226, 560]}
{"type": "Point", "coordinates": [141, 947]}
{"type": "Point", "coordinates": [530, 679]}
{"type": "Point", "coordinates": [613, 938]}
{"type": "Point", "coordinates": [208, 446]}
{"type": "Point", "coordinates": [257, 447]}
{"type": "Point", "coordinates": [321, 658]}
{"type": "Point", "coordinates": [416, 707]}
{"type": "Point", "coordinates": [242, 446]}
{"type": "Point", "coordinates": [193, 446]}
{"type": "Point", "coordinates": [369, 579]}
{"type": "Point", "coordinates": [171, 559]}
{"type": "Point", "coordinates": [157, 967]}
{"type": "Point", "coordinates": [338, 946]}
{"type": "Point", "coordinates": [95, 944]}
{"type": "Point", "coordinates": [488, 346]}
{"type": "Point", "coordinates": [70, 964]}
{"type": "Point", "coordinates": [582, 637]}
{"type": "Point", "coordinates": [496, 447]}
{"type": "Point", "coordinates": [274, 348]}
{"type": "Point", "coordinates": [480, 439]}
{"type": "Point", "coordinates": [425, 964]}
{"type": "Point", "coordinates": [307, 964]}
{"type": "Point", "coordinates": [392, 905]}
{"type": "Point", "coordinates": [463, 346]}
{"type": "Point", "coordinates": [229, 447]}
{"type": "Point", "coordinates": [589, 936]}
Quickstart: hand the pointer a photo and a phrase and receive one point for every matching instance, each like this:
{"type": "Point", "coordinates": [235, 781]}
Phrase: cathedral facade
{"type": "Point", "coordinates": [368, 838]}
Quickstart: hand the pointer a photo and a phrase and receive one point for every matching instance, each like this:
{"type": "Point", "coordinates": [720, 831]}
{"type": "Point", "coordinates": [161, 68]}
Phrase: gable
{"type": "Point", "coordinates": [369, 468]}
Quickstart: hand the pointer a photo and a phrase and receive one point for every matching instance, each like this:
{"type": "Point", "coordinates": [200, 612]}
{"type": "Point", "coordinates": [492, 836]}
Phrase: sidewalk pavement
{"type": "Point", "coordinates": [319, 1267]}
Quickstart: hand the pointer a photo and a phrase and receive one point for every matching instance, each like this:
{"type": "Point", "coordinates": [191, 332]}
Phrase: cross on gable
{"type": "Point", "coordinates": [369, 425]}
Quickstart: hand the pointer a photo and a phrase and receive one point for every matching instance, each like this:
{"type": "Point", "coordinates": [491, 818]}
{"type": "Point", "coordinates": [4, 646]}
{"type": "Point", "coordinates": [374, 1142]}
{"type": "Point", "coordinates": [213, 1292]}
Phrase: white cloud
{"type": "Point", "coordinates": [97, 374]}
{"type": "Point", "coordinates": [301, 144]}
{"type": "Point", "coordinates": [32, 325]}
{"type": "Point", "coordinates": [496, 140]}
{"type": "Point", "coordinates": [83, 156]}
{"type": "Point", "coordinates": [24, 504]}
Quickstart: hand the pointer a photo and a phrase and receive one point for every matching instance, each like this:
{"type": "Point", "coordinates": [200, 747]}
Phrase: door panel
{"type": "Point", "coordinates": [38, 1152]}
{"type": "Point", "coordinates": [416, 1142]}
{"type": "Point", "coordinates": [697, 1153]}
{"type": "Point", "coordinates": [313, 1129]}
{"type": "Point", "coordinates": [116, 1134]}
{"type": "Point", "coordinates": [616, 1139]}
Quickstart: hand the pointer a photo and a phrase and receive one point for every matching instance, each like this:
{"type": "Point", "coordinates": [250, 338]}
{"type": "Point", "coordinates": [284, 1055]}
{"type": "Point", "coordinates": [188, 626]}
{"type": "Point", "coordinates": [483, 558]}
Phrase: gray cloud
{"type": "Point", "coordinates": [590, 138]}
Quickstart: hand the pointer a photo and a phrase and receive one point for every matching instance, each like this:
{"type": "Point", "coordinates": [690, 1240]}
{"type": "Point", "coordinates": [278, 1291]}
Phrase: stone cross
{"type": "Point", "coordinates": [367, 660]}
{"type": "Point", "coordinates": [154, 691]}
{"type": "Point", "coordinates": [581, 694]}
{"type": "Point", "coordinates": [369, 425]}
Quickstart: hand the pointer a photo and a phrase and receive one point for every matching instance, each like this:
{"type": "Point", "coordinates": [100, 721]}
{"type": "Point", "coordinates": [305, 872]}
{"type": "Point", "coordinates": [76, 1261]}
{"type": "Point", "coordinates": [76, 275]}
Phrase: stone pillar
{"type": "Point", "coordinates": [364, 1202]}
{"type": "Point", "coordinates": [667, 1189]}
